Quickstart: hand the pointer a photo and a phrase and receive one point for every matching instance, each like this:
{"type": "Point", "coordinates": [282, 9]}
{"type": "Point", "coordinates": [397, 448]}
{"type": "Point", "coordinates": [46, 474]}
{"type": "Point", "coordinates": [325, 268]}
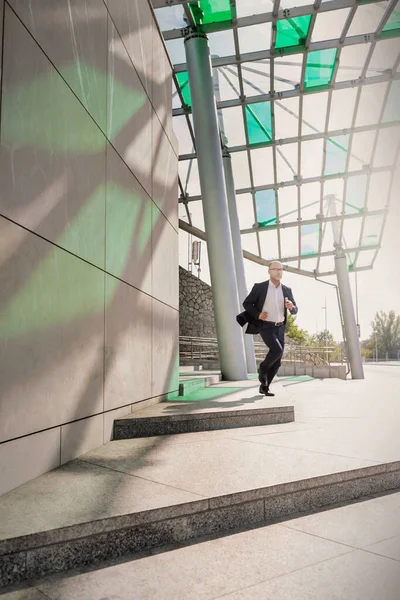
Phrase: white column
{"type": "Point", "coordinates": [346, 299]}
{"type": "Point", "coordinates": [238, 255]}
{"type": "Point", "coordinates": [350, 325]}
{"type": "Point", "coordinates": [215, 208]}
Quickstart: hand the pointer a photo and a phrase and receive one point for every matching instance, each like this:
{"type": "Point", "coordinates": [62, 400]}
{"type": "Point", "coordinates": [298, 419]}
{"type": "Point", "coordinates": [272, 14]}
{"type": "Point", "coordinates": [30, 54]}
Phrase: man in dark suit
{"type": "Point", "coordinates": [265, 312]}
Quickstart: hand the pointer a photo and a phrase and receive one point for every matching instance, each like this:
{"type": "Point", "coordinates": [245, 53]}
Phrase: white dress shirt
{"type": "Point", "coordinates": [274, 303]}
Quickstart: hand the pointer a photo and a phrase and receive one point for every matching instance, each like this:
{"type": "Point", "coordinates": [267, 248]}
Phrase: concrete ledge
{"type": "Point", "coordinates": [188, 385]}
{"type": "Point", "coordinates": [205, 364]}
{"type": "Point", "coordinates": [40, 554]}
{"type": "Point", "coordinates": [318, 372]}
{"type": "Point", "coordinates": [131, 427]}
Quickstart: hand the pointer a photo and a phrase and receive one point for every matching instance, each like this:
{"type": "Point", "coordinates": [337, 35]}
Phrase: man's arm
{"type": "Point", "coordinates": [295, 309]}
{"type": "Point", "coordinates": [250, 301]}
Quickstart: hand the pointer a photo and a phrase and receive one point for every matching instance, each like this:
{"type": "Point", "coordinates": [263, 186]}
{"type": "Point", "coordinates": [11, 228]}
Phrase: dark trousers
{"type": "Point", "coordinates": [274, 337]}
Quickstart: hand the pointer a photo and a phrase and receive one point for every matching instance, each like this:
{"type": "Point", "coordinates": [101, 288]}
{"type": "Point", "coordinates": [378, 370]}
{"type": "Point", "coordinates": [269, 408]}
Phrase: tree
{"type": "Point", "coordinates": [386, 334]}
{"type": "Point", "coordinates": [294, 332]}
{"type": "Point", "coordinates": [368, 348]}
{"type": "Point", "coordinates": [323, 338]}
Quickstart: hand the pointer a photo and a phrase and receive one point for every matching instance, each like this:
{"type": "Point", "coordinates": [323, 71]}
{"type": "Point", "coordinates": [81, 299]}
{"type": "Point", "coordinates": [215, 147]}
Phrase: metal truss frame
{"type": "Point", "coordinates": [316, 221]}
{"type": "Point", "coordinates": [342, 85]}
{"type": "Point", "coordinates": [260, 18]}
{"type": "Point", "coordinates": [305, 138]}
{"type": "Point", "coordinates": [297, 182]}
{"type": "Point", "coordinates": [265, 262]}
{"type": "Point", "coordinates": [388, 76]}
{"type": "Point", "coordinates": [352, 40]}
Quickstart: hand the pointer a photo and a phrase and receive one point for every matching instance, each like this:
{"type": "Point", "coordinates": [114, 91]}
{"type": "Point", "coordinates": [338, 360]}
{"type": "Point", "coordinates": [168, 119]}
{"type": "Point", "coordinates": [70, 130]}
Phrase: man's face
{"type": "Point", "coordinates": [275, 271]}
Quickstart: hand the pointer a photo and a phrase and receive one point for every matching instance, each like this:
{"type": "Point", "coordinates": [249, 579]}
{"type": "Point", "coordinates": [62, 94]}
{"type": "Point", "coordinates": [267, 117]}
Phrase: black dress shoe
{"type": "Point", "coordinates": [263, 389]}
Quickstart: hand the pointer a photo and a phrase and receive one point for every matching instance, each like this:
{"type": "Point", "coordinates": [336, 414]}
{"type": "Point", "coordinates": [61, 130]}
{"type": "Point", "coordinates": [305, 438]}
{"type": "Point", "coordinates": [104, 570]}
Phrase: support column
{"type": "Point", "coordinates": [238, 254]}
{"type": "Point", "coordinates": [350, 326]}
{"type": "Point", "coordinates": [215, 208]}
{"type": "Point", "coordinates": [346, 299]}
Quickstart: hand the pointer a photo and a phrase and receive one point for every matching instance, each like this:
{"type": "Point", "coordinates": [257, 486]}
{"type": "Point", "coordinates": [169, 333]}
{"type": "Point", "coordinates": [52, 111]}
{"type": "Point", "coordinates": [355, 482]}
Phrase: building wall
{"type": "Point", "coordinates": [196, 308]}
{"type": "Point", "coordinates": [88, 227]}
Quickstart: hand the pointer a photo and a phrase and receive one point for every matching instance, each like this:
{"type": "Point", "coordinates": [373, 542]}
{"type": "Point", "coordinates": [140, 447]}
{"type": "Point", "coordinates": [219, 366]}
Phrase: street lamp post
{"type": "Point", "coordinates": [326, 332]}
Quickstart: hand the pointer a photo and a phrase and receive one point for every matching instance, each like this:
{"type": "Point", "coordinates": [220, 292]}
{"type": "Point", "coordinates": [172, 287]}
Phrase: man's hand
{"type": "Point", "coordinates": [263, 316]}
{"type": "Point", "coordinates": [289, 304]}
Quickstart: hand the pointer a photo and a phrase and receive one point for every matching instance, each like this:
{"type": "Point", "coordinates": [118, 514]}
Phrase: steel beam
{"type": "Point", "coordinates": [371, 213]}
{"type": "Point", "coordinates": [296, 182]}
{"type": "Point", "coordinates": [341, 85]}
{"type": "Point", "coordinates": [265, 262]}
{"type": "Point", "coordinates": [269, 17]}
{"type": "Point", "coordinates": [304, 138]}
{"type": "Point", "coordinates": [352, 40]}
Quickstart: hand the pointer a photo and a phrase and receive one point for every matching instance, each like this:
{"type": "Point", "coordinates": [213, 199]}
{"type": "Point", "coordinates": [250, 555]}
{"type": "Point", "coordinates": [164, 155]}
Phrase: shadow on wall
{"type": "Point", "coordinates": [80, 161]}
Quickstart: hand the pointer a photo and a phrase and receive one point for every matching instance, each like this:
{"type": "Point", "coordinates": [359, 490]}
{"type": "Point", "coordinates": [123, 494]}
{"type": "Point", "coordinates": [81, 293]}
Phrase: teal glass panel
{"type": "Point", "coordinates": [336, 154]}
{"type": "Point", "coordinates": [309, 235]}
{"type": "Point", "coordinates": [211, 11]}
{"type": "Point", "coordinates": [392, 108]}
{"type": "Point", "coordinates": [265, 207]}
{"type": "Point", "coordinates": [320, 67]}
{"type": "Point", "coordinates": [259, 122]}
{"type": "Point", "coordinates": [183, 80]}
{"type": "Point", "coordinates": [351, 259]}
{"type": "Point", "coordinates": [393, 21]}
{"type": "Point", "coordinates": [292, 32]}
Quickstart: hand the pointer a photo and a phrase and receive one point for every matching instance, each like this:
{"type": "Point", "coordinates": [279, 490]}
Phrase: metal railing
{"type": "Point", "coordinates": [198, 348]}
{"type": "Point", "coordinates": [206, 349]}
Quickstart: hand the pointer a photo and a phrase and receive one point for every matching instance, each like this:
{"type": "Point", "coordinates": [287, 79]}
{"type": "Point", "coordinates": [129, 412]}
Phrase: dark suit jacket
{"type": "Point", "coordinates": [254, 303]}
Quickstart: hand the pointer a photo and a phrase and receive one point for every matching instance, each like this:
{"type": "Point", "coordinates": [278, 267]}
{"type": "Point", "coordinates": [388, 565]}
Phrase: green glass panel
{"type": "Point", "coordinates": [356, 194]}
{"type": "Point", "coordinates": [319, 68]}
{"type": "Point", "coordinates": [309, 239]}
{"type": "Point", "coordinates": [265, 207]}
{"type": "Point", "coordinates": [351, 259]}
{"type": "Point", "coordinates": [292, 32]}
{"type": "Point", "coordinates": [336, 154]}
{"type": "Point", "coordinates": [183, 80]}
{"type": "Point", "coordinates": [392, 108]}
{"type": "Point", "coordinates": [211, 11]}
{"type": "Point", "coordinates": [394, 20]}
{"type": "Point", "coordinates": [259, 122]}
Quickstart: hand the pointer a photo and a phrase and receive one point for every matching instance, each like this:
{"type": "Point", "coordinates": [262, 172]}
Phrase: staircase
{"type": "Point", "coordinates": [199, 464]}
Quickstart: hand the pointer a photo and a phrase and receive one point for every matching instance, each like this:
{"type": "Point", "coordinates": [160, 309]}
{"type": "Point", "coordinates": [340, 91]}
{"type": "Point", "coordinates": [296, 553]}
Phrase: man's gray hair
{"type": "Point", "coordinates": [274, 262]}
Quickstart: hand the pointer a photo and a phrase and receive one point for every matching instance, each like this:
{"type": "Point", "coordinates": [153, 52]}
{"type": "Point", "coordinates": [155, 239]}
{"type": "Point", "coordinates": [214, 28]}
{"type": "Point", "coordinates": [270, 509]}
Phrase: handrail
{"type": "Point", "coordinates": [205, 348]}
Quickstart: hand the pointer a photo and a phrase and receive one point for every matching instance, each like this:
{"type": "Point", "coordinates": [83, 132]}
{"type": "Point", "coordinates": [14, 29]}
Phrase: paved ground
{"type": "Point", "coordinates": [349, 553]}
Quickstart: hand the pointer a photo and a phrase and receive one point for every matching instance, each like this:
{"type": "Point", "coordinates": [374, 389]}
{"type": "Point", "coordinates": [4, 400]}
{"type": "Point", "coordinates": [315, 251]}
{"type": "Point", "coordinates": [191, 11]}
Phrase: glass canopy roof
{"type": "Point", "coordinates": [308, 99]}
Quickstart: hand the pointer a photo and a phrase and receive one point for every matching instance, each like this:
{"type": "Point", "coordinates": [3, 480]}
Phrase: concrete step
{"type": "Point", "coordinates": [188, 384]}
{"type": "Point", "coordinates": [134, 426]}
{"type": "Point", "coordinates": [307, 558]}
{"type": "Point", "coordinates": [45, 552]}
{"type": "Point", "coordinates": [136, 494]}
{"type": "Point", "coordinates": [207, 406]}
